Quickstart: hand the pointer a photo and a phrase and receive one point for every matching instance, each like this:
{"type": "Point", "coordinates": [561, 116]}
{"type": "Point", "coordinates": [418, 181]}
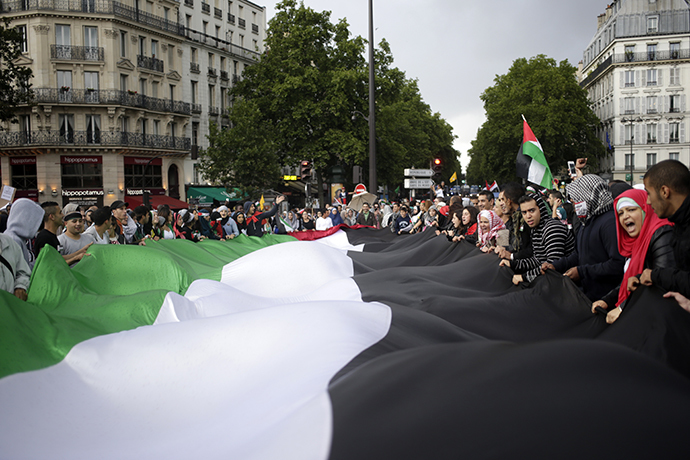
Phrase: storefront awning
{"type": "Point", "coordinates": [156, 200]}
{"type": "Point", "coordinates": [206, 195]}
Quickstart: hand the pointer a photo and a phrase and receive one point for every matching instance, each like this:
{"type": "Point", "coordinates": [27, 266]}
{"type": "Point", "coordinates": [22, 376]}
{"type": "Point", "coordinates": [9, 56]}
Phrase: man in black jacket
{"type": "Point", "coordinates": [668, 186]}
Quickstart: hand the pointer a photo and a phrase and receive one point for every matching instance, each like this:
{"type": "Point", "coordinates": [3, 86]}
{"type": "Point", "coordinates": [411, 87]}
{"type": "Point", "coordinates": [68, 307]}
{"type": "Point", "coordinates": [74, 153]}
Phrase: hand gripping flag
{"type": "Point", "coordinates": [531, 163]}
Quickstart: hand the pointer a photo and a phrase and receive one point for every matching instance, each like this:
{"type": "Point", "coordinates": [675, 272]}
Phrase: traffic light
{"type": "Point", "coordinates": [436, 167]}
{"type": "Point", "coordinates": [305, 169]}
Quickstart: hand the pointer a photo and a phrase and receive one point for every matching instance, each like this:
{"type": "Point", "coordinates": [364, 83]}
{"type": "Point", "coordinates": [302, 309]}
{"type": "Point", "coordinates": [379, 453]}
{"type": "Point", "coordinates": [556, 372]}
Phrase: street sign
{"type": "Point", "coordinates": [419, 173]}
{"type": "Point", "coordinates": [361, 188]}
{"type": "Point", "coordinates": [418, 183]}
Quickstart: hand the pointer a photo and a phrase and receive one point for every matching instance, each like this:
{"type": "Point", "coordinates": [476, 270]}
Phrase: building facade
{"type": "Point", "coordinates": [115, 112]}
{"type": "Point", "coordinates": [636, 70]}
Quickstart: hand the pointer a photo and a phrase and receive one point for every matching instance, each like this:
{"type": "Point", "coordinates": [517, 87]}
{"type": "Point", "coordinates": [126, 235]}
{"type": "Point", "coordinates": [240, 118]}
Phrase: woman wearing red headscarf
{"type": "Point", "coordinates": [643, 239]}
{"type": "Point", "coordinates": [492, 231]}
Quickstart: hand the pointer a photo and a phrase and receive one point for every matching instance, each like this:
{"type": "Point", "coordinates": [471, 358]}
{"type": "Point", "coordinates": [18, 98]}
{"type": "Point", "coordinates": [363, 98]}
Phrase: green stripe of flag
{"type": "Point", "coordinates": [114, 289]}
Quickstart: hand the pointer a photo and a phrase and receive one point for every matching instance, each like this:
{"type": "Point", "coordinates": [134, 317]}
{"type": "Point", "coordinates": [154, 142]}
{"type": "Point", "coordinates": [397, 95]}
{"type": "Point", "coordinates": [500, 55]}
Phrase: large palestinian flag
{"type": "Point", "coordinates": [531, 162]}
{"type": "Point", "coordinates": [359, 345]}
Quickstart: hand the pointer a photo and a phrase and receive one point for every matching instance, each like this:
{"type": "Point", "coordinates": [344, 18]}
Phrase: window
{"type": "Point", "coordinates": [629, 105]}
{"type": "Point", "coordinates": [652, 24]}
{"type": "Point", "coordinates": [123, 44]}
{"type": "Point", "coordinates": [156, 127]}
{"type": "Point", "coordinates": [674, 50]}
{"type": "Point", "coordinates": [154, 48]}
{"type": "Point", "coordinates": [195, 133]}
{"type": "Point", "coordinates": [222, 99]}
{"type": "Point", "coordinates": [173, 129]}
{"type": "Point", "coordinates": [24, 174]}
{"type": "Point", "coordinates": [204, 27]}
{"type": "Point", "coordinates": [651, 104]}
{"type": "Point", "coordinates": [166, 13]}
{"type": "Point", "coordinates": [142, 86]}
{"type": "Point", "coordinates": [651, 160]}
{"type": "Point", "coordinates": [651, 77]}
{"type": "Point", "coordinates": [674, 133]}
{"type": "Point", "coordinates": [212, 95]}
{"type": "Point", "coordinates": [25, 43]}
{"type": "Point", "coordinates": [629, 78]}
{"type": "Point", "coordinates": [242, 40]}
{"type": "Point", "coordinates": [171, 57]}
{"type": "Point", "coordinates": [123, 82]}
{"type": "Point", "coordinates": [172, 92]}
{"type": "Point", "coordinates": [82, 175]}
{"type": "Point", "coordinates": [143, 127]}
{"type": "Point", "coordinates": [651, 52]}
{"type": "Point", "coordinates": [674, 156]}
{"type": "Point", "coordinates": [194, 90]}
{"type": "Point", "coordinates": [64, 84]}
{"type": "Point", "coordinates": [674, 79]}
{"type": "Point", "coordinates": [142, 46]}
{"type": "Point", "coordinates": [188, 18]}
{"type": "Point", "coordinates": [674, 103]}
{"type": "Point", "coordinates": [91, 86]}
{"type": "Point", "coordinates": [628, 134]}
{"type": "Point", "coordinates": [222, 63]}
{"type": "Point", "coordinates": [628, 157]}
{"type": "Point", "coordinates": [142, 175]}
{"type": "Point", "coordinates": [154, 89]}
{"type": "Point", "coordinates": [66, 128]}
{"type": "Point", "coordinates": [62, 35]}
{"type": "Point", "coordinates": [195, 56]}
{"type": "Point", "coordinates": [211, 60]}
{"type": "Point", "coordinates": [651, 133]}
{"type": "Point", "coordinates": [217, 31]}
{"type": "Point", "coordinates": [93, 129]}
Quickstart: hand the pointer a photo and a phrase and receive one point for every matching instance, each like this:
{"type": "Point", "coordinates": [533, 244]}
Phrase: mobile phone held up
{"type": "Point", "coordinates": [571, 169]}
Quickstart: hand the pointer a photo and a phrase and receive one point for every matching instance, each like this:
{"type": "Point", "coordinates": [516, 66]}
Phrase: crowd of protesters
{"type": "Point", "coordinates": [607, 237]}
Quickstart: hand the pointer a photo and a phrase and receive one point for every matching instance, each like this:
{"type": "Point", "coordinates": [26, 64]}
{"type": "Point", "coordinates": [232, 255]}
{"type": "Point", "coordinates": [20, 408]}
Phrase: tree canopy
{"type": "Point", "coordinates": [555, 107]}
{"type": "Point", "coordinates": [15, 88]}
{"type": "Point", "coordinates": [305, 99]}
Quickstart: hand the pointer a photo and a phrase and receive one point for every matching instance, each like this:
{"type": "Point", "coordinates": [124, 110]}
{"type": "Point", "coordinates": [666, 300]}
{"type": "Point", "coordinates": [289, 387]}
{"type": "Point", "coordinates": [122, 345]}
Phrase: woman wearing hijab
{"type": "Point", "coordinates": [492, 231]}
{"type": "Point", "coordinates": [241, 222]}
{"type": "Point", "coordinates": [335, 217]}
{"type": "Point", "coordinates": [183, 229]}
{"type": "Point", "coordinates": [644, 240]}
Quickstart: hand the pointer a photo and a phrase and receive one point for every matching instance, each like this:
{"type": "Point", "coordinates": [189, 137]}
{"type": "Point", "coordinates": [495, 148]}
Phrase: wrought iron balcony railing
{"type": "Point", "coordinates": [194, 67]}
{"type": "Point", "coordinates": [196, 108]}
{"type": "Point", "coordinates": [647, 56]}
{"type": "Point", "coordinates": [218, 13]}
{"type": "Point", "coordinates": [231, 18]}
{"type": "Point", "coordinates": [255, 28]}
{"type": "Point", "coordinates": [223, 74]}
{"type": "Point", "coordinates": [95, 6]}
{"type": "Point", "coordinates": [213, 111]}
{"type": "Point", "coordinates": [94, 137]}
{"type": "Point", "coordinates": [76, 53]}
{"type": "Point", "coordinates": [241, 23]}
{"type": "Point", "coordinates": [205, 8]}
{"type": "Point", "coordinates": [109, 97]}
{"type": "Point", "coordinates": [189, 3]}
{"type": "Point", "coordinates": [150, 63]}
{"type": "Point", "coordinates": [212, 72]}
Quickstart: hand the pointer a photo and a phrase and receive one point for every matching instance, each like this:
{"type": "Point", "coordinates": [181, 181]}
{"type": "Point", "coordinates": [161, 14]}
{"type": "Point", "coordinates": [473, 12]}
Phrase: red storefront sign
{"type": "Point", "coordinates": [143, 161]}
{"type": "Point", "coordinates": [81, 159]}
{"type": "Point", "coordinates": [16, 161]}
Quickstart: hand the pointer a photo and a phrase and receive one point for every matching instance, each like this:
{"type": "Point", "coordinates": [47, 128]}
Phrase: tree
{"type": "Point", "coordinates": [556, 109]}
{"type": "Point", "coordinates": [15, 88]}
{"type": "Point", "coordinates": [303, 100]}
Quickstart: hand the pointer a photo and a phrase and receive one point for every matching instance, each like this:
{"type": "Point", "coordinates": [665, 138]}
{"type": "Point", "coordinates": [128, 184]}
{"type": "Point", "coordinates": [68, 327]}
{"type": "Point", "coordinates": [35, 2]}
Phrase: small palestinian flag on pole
{"type": "Point", "coordinates": [531, 163]}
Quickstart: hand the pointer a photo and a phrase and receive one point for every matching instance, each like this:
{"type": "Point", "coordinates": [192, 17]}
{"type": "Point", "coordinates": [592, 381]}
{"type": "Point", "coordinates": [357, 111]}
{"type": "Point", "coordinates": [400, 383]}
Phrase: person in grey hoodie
{"type": "Point", "coordinates": [22, 225]}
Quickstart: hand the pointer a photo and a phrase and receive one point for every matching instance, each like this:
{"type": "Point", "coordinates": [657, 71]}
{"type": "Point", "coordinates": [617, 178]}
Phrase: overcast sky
{"type": "Point", "coordinates": [455, 48]}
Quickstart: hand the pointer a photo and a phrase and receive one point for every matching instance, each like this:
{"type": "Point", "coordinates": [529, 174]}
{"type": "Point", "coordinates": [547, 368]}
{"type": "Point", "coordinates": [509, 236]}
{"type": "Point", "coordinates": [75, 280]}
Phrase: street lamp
{"type": "Point", "coordinates": [632, 141]}
{"type": "Point", "coordinates": [373, 188]}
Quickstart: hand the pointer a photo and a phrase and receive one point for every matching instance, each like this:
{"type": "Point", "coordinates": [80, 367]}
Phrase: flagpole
{"type": "Point", "coordinates": [373, 188]}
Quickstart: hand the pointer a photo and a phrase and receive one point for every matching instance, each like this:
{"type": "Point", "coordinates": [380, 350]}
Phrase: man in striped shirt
{"type": "Point", "coordinates": [551, 240]}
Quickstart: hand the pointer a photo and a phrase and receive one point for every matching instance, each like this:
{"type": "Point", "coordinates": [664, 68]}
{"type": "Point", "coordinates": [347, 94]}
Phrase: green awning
{"type": "Point", "coordinates": [204, 196]}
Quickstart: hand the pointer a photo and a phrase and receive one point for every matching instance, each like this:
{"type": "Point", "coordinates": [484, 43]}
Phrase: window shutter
{"type": "Point", "coordinates": [637, 105]}
{"type": "Point", "coordinates": [643, 139]}
{"type": "Point", "coordinates": [638, 135]}
{"type": "Point", "coordinates": [622, 112]}
{"type": "Point", "coordinates": [660, 77]}
{"type": "Point", "coordinates": [665, 133]}
{"type": "Point", "coordinates": [682, 132]}
{"type": "Point", "coordinates": [664, 101]}
{"type": "Point", "coordinates": [622, 129]}
{"type": "Point", "coordinates": [644, 104]}
{"type": "Point", "coordinates": [643, 77]}
{"type": "Point", "coordinates": [682, 103]}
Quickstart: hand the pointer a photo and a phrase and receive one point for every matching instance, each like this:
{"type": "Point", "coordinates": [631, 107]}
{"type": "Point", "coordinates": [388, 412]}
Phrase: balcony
{"type": "Point", "coordinates": [235, 78]}
{"type": "Point", "coordinates": [212, 72]}
{"type": "Point", "coordinates": [194, 67]}
{"type": "Point", "coordinates": [673, 140]}
{"type": "Point", "coordinates": [95, 6]}
{"type": "Point", "coordinates": [150, 63]}
{"type": "Point", "coordinates": [90, 138]}
{"type": "Point", "coordinates": [242, 23]}
{"type": "Point", "coordinates": [651, 140]}
{"type": "Point", "coordinates": [76, 53]}
{"type": "Point", "coordinates": [231, 18]}
{"type": "Point", "coordinates": [647, 56]}
{"type": "Point", "coordinates": [651, 110]}
{"type": "Point", "coordinates": [205, 8]}
{"type": "Point", "coordinates": [108, 97]}
{"type": "Point", "coordinates": [674, 110]}
{"type": "Point", "coordinates": [224, 75]}
{"type": "Point", "coordinates": [255, 28]}
{"type": "Point", "coordinates": [196, 108]}
{"type": "Point", "coordinates": [217, 13]}
{"type": "Point", "coordinates": [213, 111]}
